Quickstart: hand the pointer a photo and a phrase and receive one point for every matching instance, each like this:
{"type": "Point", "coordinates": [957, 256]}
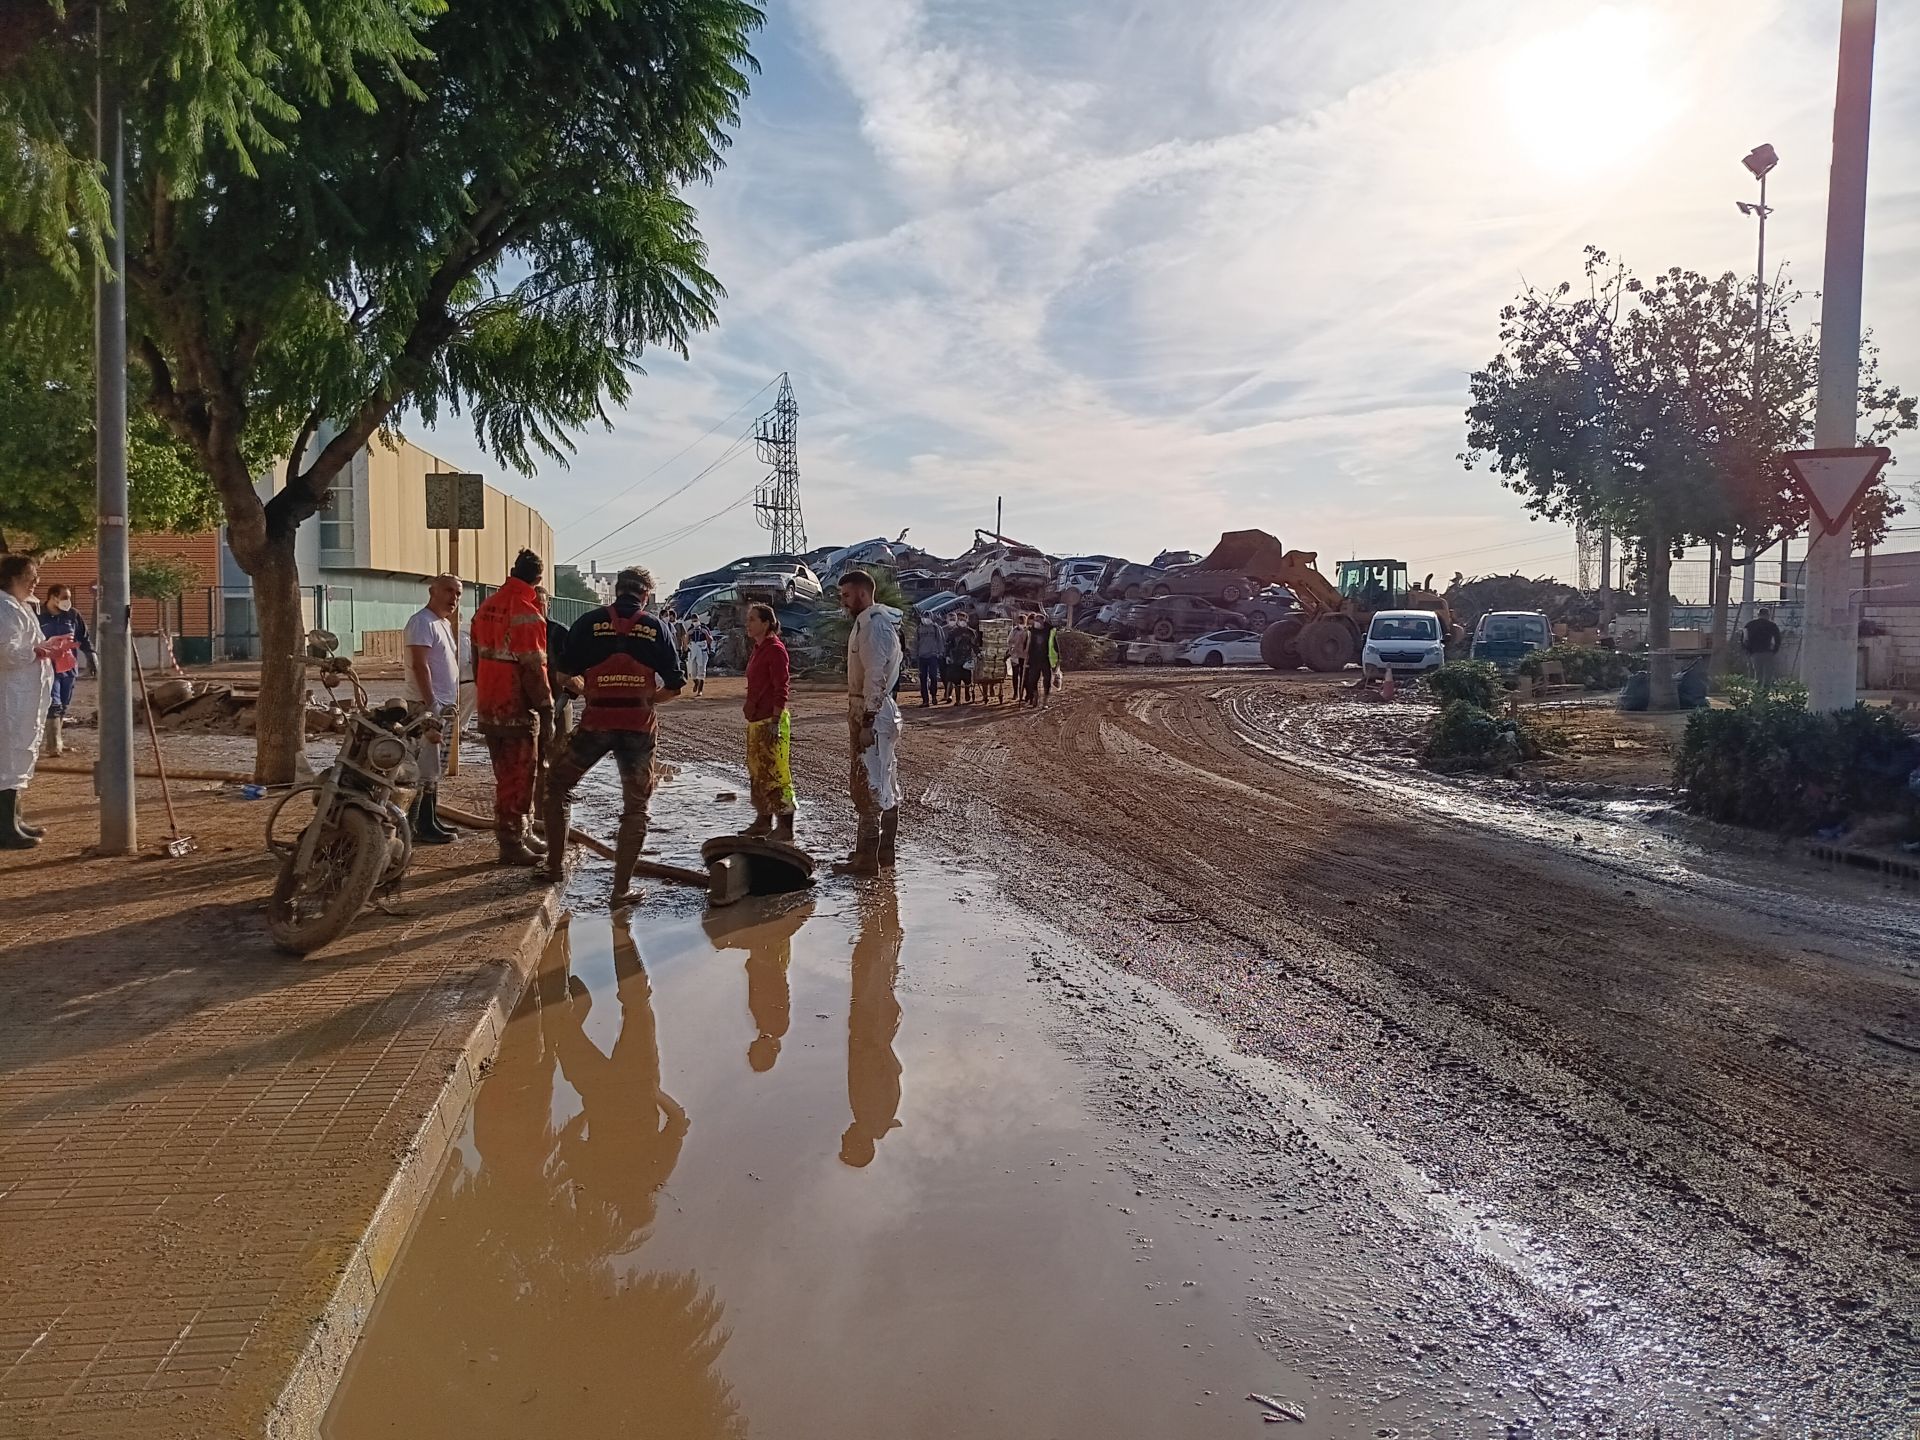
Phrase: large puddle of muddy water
{"type": "Point", "coordinates": [810, 1166]}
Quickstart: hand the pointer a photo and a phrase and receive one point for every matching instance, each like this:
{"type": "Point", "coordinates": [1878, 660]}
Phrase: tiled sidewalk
{"type": "Point", "coordinates": [209, 1151]}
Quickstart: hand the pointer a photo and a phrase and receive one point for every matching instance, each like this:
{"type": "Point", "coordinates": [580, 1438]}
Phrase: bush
{"type": "Point", "coordinates": [1768, 763]}
{"type": "Point", "coordinates": [1080, 651]}
{"type": "Point", "coordinates": [1474, 682]}
{"type": "Point", "coordinates": [1588, 666]}
{"type": "Point", "coordinates": [1468, 737]}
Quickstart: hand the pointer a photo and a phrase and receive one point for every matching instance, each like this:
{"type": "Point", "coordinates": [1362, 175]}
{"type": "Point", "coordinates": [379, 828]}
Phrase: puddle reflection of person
{"type": "Point", "coordinates": [873, 1020]}
{"type": "Point", "coordinates": [623, 1145]}
{"type": "Point", "coordinates": [768, 941]}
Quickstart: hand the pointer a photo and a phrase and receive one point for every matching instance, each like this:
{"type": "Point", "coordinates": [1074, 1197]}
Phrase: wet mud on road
{"type": "Point", "coordinates": [1622, 1131]}
{"type": "Point", "coordinates": [810, 1166]}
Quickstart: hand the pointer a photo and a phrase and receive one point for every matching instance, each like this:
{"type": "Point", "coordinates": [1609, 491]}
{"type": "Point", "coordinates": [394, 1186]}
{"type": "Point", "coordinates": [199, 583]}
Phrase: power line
{"type": "Point", "coordinates": [580, 519]}
{"type": "Point", "coordinates": [740, 443]}
{"type": "Point", "coordinates": [673, 537]}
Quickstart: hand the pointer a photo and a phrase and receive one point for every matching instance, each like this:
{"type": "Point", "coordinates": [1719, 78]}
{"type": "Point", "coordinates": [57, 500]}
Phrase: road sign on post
{"type": "Point", "coordinates": [456, 502]}
{"type": "Point", "coordinates": [1835, 481]}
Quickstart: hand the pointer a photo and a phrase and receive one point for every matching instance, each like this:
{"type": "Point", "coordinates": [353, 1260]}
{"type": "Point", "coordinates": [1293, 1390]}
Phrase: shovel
{"type": "Point", "coordinates": [177, 844]}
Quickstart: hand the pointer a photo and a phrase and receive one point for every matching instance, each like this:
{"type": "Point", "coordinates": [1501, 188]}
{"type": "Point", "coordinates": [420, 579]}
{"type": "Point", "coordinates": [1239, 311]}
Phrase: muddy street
{"type": "Point", "coordinates": [1188, 1057]}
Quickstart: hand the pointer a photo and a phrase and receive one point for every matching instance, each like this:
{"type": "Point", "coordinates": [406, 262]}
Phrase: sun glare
{"type": "Point", "coordinates": [1590, 97]}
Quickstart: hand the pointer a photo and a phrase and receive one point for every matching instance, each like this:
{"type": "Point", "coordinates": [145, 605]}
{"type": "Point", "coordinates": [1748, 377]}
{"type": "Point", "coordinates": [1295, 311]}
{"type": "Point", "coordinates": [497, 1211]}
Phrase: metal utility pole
{"type": "Point", "coordinates": [1830, 634]}
{"type": "Point", "coordinates": [113, 772]}
{"type": "Point", "coordinates": [777, 501]}
{"type": "Point", "coordinates": [1759, 162]}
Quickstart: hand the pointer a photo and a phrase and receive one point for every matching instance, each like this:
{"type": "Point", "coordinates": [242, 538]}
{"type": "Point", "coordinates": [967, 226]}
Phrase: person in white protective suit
{"type": "Point", "coordinates": [873, 724]}
{"type": "Point", "coordinates": [26, 685]}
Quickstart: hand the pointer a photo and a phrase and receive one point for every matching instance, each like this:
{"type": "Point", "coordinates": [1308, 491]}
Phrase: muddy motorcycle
{"type": "Point", "coordinates": [357, 844]}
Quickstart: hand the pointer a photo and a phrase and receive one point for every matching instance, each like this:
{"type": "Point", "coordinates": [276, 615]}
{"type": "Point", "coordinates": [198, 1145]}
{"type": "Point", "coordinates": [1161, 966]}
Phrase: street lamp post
{"type": "Point", "coordinates": [1759, 162]}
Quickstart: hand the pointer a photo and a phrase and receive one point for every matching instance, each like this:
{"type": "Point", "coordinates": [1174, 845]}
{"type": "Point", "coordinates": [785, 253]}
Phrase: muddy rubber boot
{"type": "Point", "coordinates": [762, 825]}
{"type": "Point", "coordinates": [559, 820]}
{"type": "Point", "coordinates": [627, 846]}
{"type": "Point", "coordinates": [53, 743]}
{"type": "Point", "coordinates": [514, 851]}
{"type": "Point", "coordinates": [889, 833]}
{"type": "Point", "coordinates": [431, 814]}
{"type": "Point", "coordinates": [865, 859]}
{"type": "Point", "coordinates": [783, 828]}
{"type": "Point", "coordinates": [532, 840]}
{"type": "Point", "coordinates": [421, 821]}
{"type": "Point", "coordinates": [12, 837]}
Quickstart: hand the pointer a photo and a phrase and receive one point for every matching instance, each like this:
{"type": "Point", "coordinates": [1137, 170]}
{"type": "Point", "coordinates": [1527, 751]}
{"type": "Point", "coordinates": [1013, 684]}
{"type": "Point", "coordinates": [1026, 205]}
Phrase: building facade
{"type": "Point", "coordinates": [364, 562]}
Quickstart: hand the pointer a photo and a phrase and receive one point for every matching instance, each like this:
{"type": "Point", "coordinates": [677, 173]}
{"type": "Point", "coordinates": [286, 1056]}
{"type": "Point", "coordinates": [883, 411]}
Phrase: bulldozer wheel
{"type": "Point", "coordinates": [1327, 646]}
{"type": "Point", "coordinates": [1280, 643]}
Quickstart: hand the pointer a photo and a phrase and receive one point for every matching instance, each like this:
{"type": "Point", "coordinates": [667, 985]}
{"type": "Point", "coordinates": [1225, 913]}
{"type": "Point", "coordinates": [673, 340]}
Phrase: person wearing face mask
{"type": "Point", "coordinates": [26, 684]}
{"type": "Point", "coordinates": [58, 617]}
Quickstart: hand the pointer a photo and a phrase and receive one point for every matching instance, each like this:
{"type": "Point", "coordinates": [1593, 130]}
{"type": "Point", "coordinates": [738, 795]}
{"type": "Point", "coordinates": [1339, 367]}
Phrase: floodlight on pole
{"type": "Point", "coordinates": [1760, 160]}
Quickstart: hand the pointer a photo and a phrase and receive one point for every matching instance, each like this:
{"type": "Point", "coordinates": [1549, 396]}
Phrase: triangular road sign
{"type": "Point", "coordinates": [1834, 481]}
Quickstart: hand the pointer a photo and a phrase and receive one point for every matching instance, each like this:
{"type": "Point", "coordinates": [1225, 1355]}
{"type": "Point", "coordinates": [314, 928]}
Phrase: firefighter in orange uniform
{"type": "Point", "coordinates": [629, 666]}
{"type": "Point", "coordinates": [514, 701]}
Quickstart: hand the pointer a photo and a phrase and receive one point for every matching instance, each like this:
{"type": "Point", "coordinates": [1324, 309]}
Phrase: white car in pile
{"type": "Point", "coordinates": [1223, 647]}
{"type": "Point", "coordinates": [1407, 642]}
{"type": "Point", "coordinates": [1003, 566]}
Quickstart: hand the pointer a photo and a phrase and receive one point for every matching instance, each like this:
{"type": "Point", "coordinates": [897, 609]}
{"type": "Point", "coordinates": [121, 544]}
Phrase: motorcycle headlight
{"type": "Point", "coordinates": [385, 752]}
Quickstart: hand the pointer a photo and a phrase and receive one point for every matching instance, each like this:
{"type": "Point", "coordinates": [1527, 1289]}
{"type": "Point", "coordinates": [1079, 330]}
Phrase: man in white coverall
{"type": "Point", "coordinates": [873, 723]}
{"type": "Point", "coordinates": [26, 681]}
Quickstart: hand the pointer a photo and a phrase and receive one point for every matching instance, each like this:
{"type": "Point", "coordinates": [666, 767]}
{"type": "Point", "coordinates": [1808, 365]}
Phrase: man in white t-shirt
{"type": "Point", "coordinates": [433, 683]}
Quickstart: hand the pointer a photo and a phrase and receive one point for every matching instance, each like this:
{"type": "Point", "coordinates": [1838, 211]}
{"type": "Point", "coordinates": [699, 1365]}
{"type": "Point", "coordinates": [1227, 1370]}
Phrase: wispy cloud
{"type": "Point", "coordinates": [1149, 271]}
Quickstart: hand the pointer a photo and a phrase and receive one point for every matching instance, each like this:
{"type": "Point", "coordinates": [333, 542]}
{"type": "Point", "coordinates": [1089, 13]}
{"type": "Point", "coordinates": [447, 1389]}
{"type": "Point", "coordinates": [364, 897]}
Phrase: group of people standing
{"type": "Point", "coordinates": [41, 646]}
{"type": "Point", "coordinates": [624, 663]}
{"type": "Point", "coordinates": [950, 655]}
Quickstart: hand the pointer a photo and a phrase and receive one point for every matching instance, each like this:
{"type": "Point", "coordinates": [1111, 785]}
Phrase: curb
{"type": "Point", "coordinates": [302, 1404]}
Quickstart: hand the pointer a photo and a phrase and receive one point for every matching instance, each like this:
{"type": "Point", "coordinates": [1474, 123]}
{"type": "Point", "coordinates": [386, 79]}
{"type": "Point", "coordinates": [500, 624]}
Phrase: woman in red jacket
{"type": "Point", "coordinates": [769, 728]}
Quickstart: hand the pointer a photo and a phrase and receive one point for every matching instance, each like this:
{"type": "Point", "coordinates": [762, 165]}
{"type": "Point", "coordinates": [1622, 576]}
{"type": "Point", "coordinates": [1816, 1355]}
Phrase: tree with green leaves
{"type": "Point", "coordinates": [568, 584]}
{"type": "Point", "coordinates": [354, 212]}
{"type": "Point", "coordinates": [47, 491]}
{"type": "Point", "coordinates": [1631, 404]}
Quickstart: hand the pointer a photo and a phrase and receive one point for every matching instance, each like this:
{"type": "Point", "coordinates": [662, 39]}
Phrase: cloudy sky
{"type": "Point", "coordinates": [1150, 270]}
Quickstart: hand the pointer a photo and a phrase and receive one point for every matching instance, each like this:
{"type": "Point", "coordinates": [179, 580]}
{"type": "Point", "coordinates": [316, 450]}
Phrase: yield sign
{"type": "Point", "coordinates": [1835, 480]}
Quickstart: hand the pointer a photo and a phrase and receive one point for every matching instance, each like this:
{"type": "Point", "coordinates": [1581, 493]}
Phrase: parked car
{"type": "Point", "coordinates": [1131, 582]}
{"type": "Point", "coordinates": [1174, 617]}
{"type": "Point", "coordinates": [940, 604]}
{"type": "Point", "coordinates": [1506, 637]}
{"type": "Point", "coordinates": [1223, 647]}
{"type": "Point", "coordinates": [1407, 642]}
{"type": "Point", "coordinates": [1167, 559]}
{"type": "Point", "coordinates": [919, 584]}
{"type": "Point", "coordinates": [1000, 567]}
{"type": "Point", "coordinates": [783, 581]}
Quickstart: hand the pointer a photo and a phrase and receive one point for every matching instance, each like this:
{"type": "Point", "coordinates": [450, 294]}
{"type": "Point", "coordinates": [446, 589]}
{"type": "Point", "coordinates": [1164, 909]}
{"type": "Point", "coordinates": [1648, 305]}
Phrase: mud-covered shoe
{"type": "Point", "coordinates": [761, 827]}
{"type": "Point", "coordinates": [783, 828]}
{"type": "Point", "coordinates": [889, 833]}
{"type": "Point", "coordinates": [515, 852]}
{"type": "Point", "coordinates": [864, 861]}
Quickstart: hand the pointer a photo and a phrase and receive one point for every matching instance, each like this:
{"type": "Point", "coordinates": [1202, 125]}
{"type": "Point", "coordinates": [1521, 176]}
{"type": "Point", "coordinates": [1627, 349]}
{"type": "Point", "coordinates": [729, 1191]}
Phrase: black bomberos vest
{"type": "Point", "coordinates": [620, 687]}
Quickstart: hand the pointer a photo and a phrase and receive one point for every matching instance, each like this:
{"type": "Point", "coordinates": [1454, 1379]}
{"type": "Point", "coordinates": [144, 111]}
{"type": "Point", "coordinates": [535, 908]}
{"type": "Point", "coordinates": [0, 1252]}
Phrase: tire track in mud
{"type": "Point", "coordinates": [1681, 1110]}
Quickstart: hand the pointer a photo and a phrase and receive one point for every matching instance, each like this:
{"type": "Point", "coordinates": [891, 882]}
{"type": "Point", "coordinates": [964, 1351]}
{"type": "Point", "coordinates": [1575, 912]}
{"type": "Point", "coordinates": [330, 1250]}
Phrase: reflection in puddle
{"type": "Point", "coordinates": [893, 1219]}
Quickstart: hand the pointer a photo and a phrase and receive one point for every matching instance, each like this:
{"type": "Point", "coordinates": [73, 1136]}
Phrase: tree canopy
{"type": "Point", "coordinates": [345, 213]}
{"type": "Point", "coordinates": [1631, 404]}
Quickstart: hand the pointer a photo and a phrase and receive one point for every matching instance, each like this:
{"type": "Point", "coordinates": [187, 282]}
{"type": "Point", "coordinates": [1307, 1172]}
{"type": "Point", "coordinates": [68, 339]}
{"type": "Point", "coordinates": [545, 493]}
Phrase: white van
{"type": "Point", "coordinates": [1407, 642]}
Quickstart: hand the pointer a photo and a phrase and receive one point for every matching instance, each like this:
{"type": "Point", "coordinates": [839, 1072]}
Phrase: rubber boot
{"type": "Point", "coordinates": [627, 846]}
{"type": "Point", "coordinates": [53, 743]}
{"type": "Point", "coordinates": [559, 820]}
{"type": "Point", "coordinates": [12, 837]}
{"type": "Point", "coordinates": [865, 859]}
{"type": "Point", "coordinates": [430, 813]}
{"type": "Point", "coordinates": [762, 825]}
{"type": "Point", "coordinates": [421, 821]}
{"type": "Point", "coordinates": [889, 832]}
{"type": "Point", "coordinates": [783, 828]}
{"type": "Point", "coordinates": [513, 849]}
{"type": "Point", "coordinates": [536, 845]}
{"type": "Point", "coordinates": [27, 827]}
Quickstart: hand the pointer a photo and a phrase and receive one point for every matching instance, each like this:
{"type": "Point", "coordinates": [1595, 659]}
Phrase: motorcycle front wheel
{"type": "Point", "coordinates": [307, 911]}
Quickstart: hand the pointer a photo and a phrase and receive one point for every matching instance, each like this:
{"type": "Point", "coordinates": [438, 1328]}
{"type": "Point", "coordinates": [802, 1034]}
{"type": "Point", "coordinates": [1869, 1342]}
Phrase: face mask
{"type": "Point", "coordinates": [56, 606]}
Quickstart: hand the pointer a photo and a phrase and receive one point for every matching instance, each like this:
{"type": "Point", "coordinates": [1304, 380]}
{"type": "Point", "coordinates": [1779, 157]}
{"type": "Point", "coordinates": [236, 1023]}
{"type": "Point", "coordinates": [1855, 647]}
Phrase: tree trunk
{"type": "Point", "coordinates": [1722, 601]}
{"type": "Point", "coordinates": [280, 717]}
{"type": "Point", "coordinates": [1661, 694]}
